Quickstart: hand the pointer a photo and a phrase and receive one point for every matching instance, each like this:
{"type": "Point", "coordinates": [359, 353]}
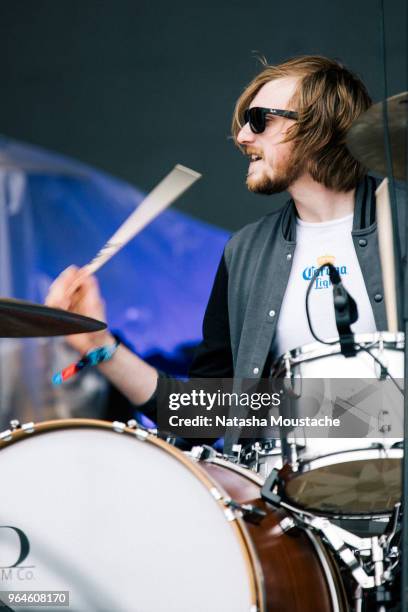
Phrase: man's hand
{"type": "Point", "coordinates": [74, 290]}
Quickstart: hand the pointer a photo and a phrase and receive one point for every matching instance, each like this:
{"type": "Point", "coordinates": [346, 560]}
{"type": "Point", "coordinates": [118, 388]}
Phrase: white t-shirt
{"type": "Point", "coordinates": [315, 244]}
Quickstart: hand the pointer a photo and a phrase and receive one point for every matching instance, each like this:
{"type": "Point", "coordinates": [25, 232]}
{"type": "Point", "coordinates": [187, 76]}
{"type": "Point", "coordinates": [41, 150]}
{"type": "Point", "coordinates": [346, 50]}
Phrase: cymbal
{"type": "Point", "coordinates": [365, 139]}
{"type": "Point", "coordinates": [21, 319]}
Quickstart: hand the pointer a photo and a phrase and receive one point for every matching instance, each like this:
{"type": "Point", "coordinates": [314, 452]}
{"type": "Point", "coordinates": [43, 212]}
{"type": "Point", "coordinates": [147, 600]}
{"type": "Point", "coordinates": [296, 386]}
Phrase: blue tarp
{"type": "Point", "coordinates": [55, 212]}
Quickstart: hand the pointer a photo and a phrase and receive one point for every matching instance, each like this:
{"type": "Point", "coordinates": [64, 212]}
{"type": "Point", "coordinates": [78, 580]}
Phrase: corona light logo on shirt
{"type": "Point", "coordinates": [323, 281]}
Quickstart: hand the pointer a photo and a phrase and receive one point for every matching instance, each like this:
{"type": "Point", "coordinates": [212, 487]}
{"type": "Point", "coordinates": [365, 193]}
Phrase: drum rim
{"type": "Point", "coordinates": [238, 468]}
{"type": "Point", "coordinates": [215, 490]}
{"type": "Point", "coordinates": [317, 350]}
{"type": "Point", "coordinates": [308, 465]}
{"type": "Point", "coordinates": [331, 570]}
{"type": "Point", "coordinates": [296, 508]}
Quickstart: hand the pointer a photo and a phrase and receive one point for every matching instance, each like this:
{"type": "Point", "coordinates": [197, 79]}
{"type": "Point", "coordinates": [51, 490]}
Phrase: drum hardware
{"type": "Point", "coordinates": [235, 453]}
{"type": "Point", "coordinates": [267, 490]}
{"type": "Point", "coordinates": [351, 558]}
{"type": "Point", "coordinates": [118, 426]}
{"type": "Point", "coordinates": [27, 428]}
{"type": "Point", "coordinates": [261, 456]}
{"type": "Point", "coordinates": [393, 524]}
{"type": "Point", "coordinates": [345, 309]}
{"type": "Point", "coordinates": [358, 598]}
{"type": "Point", "coordinates": [384, 423]}
{"type": "Point", "coordinates": [15, 424]}
{"type": "Point", "coordinates": [287, 524]}
{"type": "Point", "coordinates": [140, 433]}
{"type": "Point", "coordinates": [248, 512]}
{"type": "Point", "coordinates": [294, 459]}
{"type": "Point", "coordinates": [382, 365]}
{"type": "Point", "coordinates": [200, 453]}
{"type": "Point", "coordinates": [372, 561]}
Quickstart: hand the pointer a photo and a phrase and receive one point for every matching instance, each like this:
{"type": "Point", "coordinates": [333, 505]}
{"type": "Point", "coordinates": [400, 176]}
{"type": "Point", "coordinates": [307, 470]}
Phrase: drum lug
{"type": "Point", "coordinates": [249, 512]}
{"type": "Point", "coordinates": [384, 421]}
{"type": "Point", "coordinates": [6, 436]}
{"type": "Point", "coordinates": [234, 510]}
{"type": "Point", "coordinates": [287, 524]}
{"type": "Point", "coordinates": [230, 515]}
{"type": "Point", "coordinates": [118, 426]}
{"type": "Point", "coordinates": [141, 434]}
{"type": "Point", "coordinates": [201, 453]}
{"type": "Point", "coordinates": [216, 494]}
{"type": "Point", "coordinates": [15, 424]}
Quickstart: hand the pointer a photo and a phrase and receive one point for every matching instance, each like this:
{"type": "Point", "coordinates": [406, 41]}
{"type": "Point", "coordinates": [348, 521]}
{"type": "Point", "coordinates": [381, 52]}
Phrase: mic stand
{"type": "Point", "coordinates": [404, 568]}
{"type": "Point", "coordinates": [345, 309]}
{"type": "Point", "coordinates": [401, 290]}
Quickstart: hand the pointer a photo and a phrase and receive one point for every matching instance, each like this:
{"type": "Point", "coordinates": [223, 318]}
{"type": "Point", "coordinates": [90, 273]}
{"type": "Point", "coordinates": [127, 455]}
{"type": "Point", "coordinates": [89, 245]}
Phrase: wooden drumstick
{"type": "Point", "coordinates": [164, 194]}
{"type": "Point", "coordinates": [386, 244]}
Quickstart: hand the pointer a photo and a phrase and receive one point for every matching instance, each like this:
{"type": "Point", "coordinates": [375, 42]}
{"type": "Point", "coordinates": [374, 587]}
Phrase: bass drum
{"type": "Point", "coordinates": [120, 520]}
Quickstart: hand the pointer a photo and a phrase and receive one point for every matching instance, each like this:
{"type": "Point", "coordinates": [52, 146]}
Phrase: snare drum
{"type": "Point", "coordinates": [346, 476]}
{"type": "Point", "coordinates": [123, 521]}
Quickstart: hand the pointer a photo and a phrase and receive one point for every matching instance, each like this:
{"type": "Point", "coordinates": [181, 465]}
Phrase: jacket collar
{"type": "Point", "coordinates": [364, 210]}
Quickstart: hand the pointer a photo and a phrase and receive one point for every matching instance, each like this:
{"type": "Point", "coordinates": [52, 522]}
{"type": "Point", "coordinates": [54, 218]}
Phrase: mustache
{"type": "Point", "coordinates": [251, 151]}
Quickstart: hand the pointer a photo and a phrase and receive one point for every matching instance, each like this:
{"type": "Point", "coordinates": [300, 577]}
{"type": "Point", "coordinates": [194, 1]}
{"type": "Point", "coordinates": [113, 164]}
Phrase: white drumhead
{"type": "Point", "coordinates": [122, 524]}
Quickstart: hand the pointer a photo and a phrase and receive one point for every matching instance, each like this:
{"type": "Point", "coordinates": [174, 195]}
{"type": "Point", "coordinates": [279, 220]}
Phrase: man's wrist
{"type": "Point", "coordinates": [105, 339]}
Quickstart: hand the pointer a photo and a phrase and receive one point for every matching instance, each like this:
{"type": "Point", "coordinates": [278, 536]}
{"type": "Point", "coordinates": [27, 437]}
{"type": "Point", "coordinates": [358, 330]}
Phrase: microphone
{"type": "Point", "coordinates": [345, 310]}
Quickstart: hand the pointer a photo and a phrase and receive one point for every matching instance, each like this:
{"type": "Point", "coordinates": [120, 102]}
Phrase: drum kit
{"type": "Point", "coordinates": [123, 520]}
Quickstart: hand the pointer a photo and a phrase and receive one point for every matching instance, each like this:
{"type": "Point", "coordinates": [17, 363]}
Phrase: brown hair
{"type": "Point", "coordinates": [328, 99]}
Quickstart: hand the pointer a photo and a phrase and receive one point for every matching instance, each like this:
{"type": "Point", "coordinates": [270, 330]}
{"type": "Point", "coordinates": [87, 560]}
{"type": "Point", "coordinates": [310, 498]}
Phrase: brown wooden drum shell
{"type": "Point", "coordinates": [293, 575]}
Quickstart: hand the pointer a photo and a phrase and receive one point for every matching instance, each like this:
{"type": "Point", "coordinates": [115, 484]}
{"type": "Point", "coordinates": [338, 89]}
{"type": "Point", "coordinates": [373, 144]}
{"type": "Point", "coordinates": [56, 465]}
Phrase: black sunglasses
{"type": "Point", "coordinates": [256, 117]}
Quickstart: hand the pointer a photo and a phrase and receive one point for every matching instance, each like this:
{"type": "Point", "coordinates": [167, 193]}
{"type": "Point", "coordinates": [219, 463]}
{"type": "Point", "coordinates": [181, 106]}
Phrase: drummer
{"type": "Point", "coordinates": [291, 122]}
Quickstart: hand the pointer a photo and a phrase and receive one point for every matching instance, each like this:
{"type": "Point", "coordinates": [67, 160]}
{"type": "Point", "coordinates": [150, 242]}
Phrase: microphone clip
{"type": "Point", "coordinates": [346, 313]}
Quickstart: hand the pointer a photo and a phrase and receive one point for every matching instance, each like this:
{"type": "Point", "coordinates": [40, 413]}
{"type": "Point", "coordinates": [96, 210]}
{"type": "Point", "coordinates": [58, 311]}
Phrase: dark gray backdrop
{"type": "Point", "coordinates": [133, 86]}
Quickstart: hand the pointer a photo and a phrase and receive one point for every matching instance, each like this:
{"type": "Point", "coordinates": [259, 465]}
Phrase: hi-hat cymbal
{"type": "Point", "coordinates": [21, 319]}
{"type": "Point", "coordinates": [366, 137]}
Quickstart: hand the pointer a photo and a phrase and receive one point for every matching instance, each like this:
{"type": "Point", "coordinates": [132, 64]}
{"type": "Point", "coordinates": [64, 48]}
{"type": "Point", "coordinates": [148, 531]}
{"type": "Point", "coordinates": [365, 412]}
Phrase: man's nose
{"type": "Point", "coordinates": [245, 135]}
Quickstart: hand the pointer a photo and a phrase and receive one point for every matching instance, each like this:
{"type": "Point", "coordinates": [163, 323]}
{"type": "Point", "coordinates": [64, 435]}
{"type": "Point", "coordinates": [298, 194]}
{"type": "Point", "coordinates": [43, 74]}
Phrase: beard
{"type": "Point", "coordinates": [283, 177]}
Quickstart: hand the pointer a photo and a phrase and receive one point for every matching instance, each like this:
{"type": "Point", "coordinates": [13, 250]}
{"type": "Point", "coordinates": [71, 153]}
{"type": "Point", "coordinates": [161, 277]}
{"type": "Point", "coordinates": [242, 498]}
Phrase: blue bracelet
{"type": "Point", "coordinates": [91, 358]}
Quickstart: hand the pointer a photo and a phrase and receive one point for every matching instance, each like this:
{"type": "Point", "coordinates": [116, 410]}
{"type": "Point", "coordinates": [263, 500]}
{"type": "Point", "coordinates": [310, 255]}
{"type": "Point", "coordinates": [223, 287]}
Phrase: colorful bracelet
{"type": "Point", "coordinates": [91, 358]}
